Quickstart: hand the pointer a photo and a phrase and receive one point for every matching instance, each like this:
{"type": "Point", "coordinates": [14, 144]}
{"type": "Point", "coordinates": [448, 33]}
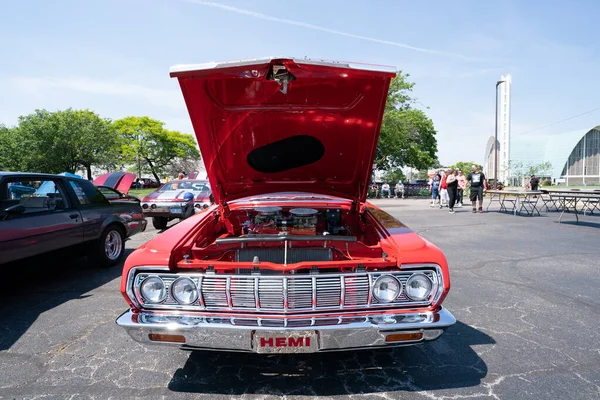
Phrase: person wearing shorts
{"type": "Point", "coordinates": [435, 189]}
{"type": "Point", "coordinates": [477, 180]}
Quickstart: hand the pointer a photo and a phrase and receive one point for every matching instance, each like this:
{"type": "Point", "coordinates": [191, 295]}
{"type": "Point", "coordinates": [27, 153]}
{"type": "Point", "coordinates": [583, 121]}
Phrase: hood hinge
{"type": "Point", "coordinates": [359, 207]}
{"type": "Point", "coordinates": [224, 217]}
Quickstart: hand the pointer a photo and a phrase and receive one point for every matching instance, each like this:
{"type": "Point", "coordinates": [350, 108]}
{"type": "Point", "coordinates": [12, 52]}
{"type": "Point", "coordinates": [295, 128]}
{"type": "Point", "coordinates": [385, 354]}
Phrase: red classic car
{"type": "Point", "coordinates": [291, 258]}
{"type": "Point", "coordinates": [167, 202]}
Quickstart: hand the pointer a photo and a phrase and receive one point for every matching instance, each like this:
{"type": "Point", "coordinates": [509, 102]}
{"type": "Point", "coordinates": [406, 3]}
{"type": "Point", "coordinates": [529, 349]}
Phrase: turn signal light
{"type": "Point", "coordinates": [159, 337]}
{"type": "Point", "coordinates": [404, 337]}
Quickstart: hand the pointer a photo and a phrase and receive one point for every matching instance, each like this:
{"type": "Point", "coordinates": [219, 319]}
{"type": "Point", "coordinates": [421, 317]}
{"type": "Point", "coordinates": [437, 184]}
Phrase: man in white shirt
{"type": "Point", "coordinates": [385, 189]}
{"type": "Point", "coordinates": [399, 189]}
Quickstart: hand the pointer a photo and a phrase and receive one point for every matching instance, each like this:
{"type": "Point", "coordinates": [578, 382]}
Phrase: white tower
{"type": "Point", "coordinates": [504, 129]}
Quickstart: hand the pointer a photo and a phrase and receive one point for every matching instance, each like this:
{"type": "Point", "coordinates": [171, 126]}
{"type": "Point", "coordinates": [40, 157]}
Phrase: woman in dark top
{"type": "Point", "coordinates": [452, 186]}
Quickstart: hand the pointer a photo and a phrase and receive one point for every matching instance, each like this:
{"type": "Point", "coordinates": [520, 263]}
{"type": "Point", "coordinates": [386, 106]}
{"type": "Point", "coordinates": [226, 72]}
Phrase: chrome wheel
{"type": "Point", "coordinates": [113, 245]}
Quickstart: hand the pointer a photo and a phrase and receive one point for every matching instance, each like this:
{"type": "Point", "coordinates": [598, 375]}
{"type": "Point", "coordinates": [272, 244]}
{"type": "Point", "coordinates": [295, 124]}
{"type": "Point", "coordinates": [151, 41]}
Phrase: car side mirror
{"type": "Point", "coordinates": [15, 210]}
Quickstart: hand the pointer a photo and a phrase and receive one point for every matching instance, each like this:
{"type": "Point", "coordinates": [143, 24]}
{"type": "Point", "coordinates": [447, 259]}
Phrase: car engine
{"type": "Point", "coordinates": [295, 221]}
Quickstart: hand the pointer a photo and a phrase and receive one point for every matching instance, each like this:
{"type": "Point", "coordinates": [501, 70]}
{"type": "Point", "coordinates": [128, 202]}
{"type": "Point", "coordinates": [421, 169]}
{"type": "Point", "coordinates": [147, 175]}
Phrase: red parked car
{"type": "Point", "coordinates": [291, 258]}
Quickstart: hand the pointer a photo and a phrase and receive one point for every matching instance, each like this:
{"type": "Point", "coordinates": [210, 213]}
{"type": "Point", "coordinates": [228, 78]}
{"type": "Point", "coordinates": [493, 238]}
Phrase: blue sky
{"type": "Point", "coordinates": [113, 56]}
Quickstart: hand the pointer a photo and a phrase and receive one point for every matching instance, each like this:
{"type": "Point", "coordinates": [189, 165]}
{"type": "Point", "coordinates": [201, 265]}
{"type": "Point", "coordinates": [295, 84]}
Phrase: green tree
{"type": "Point", "coordinates": [10, 156]}
{"type": "Point", "coordinates": [421, 175]}
{"type": "Point", "coordinates": [407, 135]}
{"type": "Point", "coordinates": [146, 143]}
{"type": "Point", "coordinates": [392, 176]}
{"type": "Point", "coordinates": [64, 141]}
{"type": "Point", "coordinates": [466, 167]}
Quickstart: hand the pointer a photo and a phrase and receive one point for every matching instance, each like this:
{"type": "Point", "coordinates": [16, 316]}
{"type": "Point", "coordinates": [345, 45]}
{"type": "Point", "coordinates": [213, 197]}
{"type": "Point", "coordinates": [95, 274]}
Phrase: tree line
{"type": "Point", "coordinates": [408, 136]}
{"type": "Point", "coordinates": [71, 140]}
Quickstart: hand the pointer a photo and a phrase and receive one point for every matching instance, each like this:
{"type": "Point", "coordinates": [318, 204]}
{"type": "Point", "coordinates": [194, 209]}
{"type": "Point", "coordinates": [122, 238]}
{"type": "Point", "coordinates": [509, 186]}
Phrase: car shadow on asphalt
{"type": "Point", "coordinates": [449, 362]}
{"type": "Point", "coordinates": [41, 283]}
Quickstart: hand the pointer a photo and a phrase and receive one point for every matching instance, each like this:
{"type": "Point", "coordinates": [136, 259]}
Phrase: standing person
{"type": "Point", "coordinates": [477, 180]}
{"type": "Point", "coordinates": [444, 190]}
{"type": "Point", "coordinates": [385, 189]}
{"type": "Point", "coordinates": [462, 185]}
{"type": "Point", "coordinates": [180, 176]}
{"type": "Point", "coordinates": [399, 189]}
{"type": "Point", "coordinates": [534, 182]}
{"type": "Point", "coordinates": [434, 188]}
{"type": "Point", "coordinates": [452, 188]}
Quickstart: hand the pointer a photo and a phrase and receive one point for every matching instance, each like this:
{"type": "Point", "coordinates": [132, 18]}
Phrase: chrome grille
{"type": "Point", "coordinates": [300, 293]}
{"type": "Point", "coordinates": [242, 293]}
{"type": "Point", "coordinates": [214, 292]}
{"type": "Point", "coordinates": [270, 293]}
{"type": "Point", "coordinates": [328, 291]}
{"type": "Point", "coordinates": [356, 290]}
{"type": "Point", "coordinates": [288, 293]}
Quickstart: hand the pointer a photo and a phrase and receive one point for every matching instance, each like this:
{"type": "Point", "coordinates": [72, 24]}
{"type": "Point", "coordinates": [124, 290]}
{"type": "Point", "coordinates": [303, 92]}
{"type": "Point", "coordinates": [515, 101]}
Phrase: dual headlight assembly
{"type": "Point", "coordinates": [387, 288]}
{"type": "Point", "coordinates": [183, 290]}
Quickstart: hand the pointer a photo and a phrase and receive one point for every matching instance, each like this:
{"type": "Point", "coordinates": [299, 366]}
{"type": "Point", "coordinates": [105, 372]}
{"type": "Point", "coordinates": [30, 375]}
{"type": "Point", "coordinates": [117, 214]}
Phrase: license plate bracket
{"type": "Point", "coordinates": [281, 342]}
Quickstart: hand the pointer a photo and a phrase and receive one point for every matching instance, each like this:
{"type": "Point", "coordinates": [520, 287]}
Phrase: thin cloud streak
{"type": "Point", "coordinates": [41, 87]}
{"type": "Point", "coordinates": [327, 30]}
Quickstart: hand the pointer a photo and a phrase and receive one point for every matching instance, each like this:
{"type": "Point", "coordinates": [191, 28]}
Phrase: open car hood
{"type": "Point", "coordinates": [120, 181]}
{"type": "Point", "coordinates": [281, 124]}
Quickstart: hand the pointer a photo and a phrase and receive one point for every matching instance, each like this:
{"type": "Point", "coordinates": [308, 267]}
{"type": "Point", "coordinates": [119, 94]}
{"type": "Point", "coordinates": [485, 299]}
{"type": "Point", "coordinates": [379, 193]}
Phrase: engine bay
{"type": "Point", "coordinates": [274, 220]}
{"type": "Point", "coordinates": [298, 237]}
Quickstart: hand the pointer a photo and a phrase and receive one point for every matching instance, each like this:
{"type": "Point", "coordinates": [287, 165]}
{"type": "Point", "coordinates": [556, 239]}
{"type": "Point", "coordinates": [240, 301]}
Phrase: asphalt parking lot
{"type": "Point", "coordinates": [524, 292]}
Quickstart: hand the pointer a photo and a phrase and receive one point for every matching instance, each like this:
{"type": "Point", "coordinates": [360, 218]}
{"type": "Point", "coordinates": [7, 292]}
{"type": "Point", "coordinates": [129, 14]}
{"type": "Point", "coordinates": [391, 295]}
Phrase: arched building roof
{"type": "Point", "coordinates": [556, 148]}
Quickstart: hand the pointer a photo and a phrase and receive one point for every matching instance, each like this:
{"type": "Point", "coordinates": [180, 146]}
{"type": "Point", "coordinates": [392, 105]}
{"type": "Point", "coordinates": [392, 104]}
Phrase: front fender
{"type": "Point", "coordinates": [408, 247]}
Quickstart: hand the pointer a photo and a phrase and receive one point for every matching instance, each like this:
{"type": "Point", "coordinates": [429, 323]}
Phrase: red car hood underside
{"type": "Point", "coordinates": [279, 125]}
{"type": "Point", "coordinates": [120, 181]}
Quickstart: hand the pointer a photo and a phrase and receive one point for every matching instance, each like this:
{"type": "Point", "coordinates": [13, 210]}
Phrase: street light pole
{"type": "Point", "coordinates": [496, 140]}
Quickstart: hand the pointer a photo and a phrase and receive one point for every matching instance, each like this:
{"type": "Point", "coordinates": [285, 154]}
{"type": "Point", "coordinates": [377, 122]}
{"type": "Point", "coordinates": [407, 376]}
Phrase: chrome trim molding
{"type": "Point", "coordinates": [333, 334]}
{"type": "Point", "coordinates": [248, 62]}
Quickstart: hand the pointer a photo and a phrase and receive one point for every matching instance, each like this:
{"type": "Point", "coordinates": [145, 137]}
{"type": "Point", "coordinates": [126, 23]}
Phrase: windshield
{"type": "Point", "coordinates": [195, 186]}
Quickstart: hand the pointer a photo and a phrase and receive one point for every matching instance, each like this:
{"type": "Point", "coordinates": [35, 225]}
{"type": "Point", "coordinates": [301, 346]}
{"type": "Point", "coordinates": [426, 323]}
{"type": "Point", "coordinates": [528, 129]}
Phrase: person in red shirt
{"type": "Point", "coordinates": [444, 190]}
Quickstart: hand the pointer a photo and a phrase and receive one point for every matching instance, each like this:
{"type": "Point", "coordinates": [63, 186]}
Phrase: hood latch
{"type": "Point", "coordinates": [281, 75]}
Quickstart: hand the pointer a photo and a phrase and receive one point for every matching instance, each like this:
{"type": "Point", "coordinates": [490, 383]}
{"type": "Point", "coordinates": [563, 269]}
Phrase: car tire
{"type": "Point", "coordinates": [160, 222]}
{"type": "Point", "coordinates": [109, 249]}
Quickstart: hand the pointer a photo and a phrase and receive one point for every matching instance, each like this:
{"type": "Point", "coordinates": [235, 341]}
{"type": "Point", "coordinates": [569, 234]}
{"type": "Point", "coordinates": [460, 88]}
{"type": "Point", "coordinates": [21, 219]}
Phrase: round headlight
{"type": "Point", "coordinates": [418, 287]}
{"type": "Point", "coordinates": [386, 288]}
{"type": "Point", "coordinates": [153, 289]}
{"type": "Point", "coordinates": [184, 290]}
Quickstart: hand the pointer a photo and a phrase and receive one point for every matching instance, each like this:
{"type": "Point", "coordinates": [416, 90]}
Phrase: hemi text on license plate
{"type": "Point", "coordinates": [175, 210]}
{"type": "Point", "coordinates": [285, 342]}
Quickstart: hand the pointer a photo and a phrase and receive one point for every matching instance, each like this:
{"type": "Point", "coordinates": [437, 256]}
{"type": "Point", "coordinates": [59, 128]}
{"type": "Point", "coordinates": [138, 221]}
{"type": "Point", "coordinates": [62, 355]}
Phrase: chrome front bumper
{"type": "Point", "coordinates": [332, 333]}
{"type": "Point", "coordinates": [164, 209]}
